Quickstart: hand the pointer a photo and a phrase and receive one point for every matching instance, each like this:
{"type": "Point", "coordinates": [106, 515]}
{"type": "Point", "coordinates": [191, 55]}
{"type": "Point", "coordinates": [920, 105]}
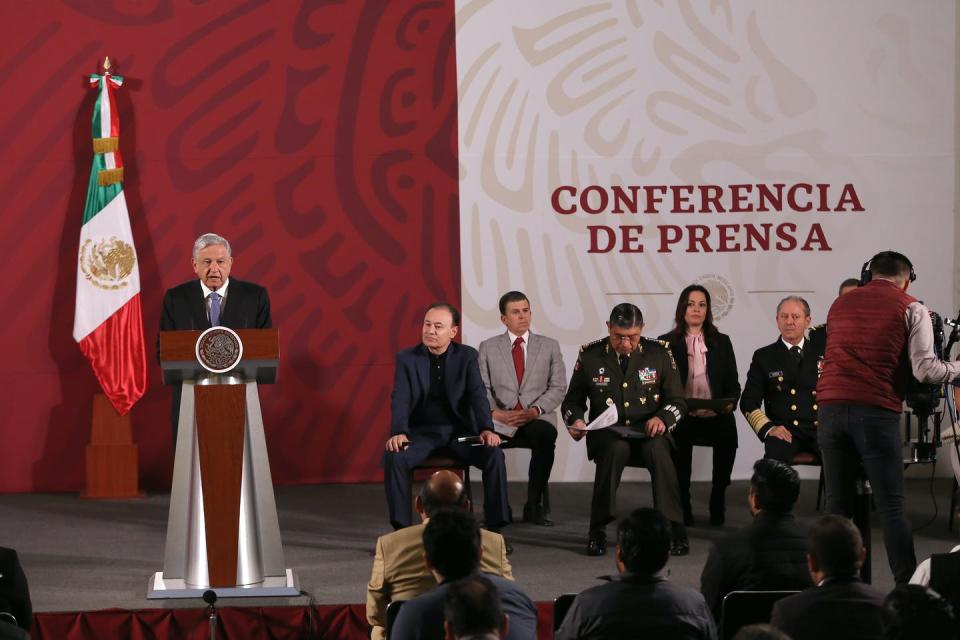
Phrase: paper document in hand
{"type": "Point", "coordinates": [504, 429]}
{"type": "Point", "coordinates": [606, 419]}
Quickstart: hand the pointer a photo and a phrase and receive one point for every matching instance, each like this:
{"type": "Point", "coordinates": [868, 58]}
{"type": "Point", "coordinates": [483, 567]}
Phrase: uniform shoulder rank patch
{"type": "Point", "coordinates": [666, 347]}
{"type": "Point", "coordinates": [654, 341]}
{"type": "Point", "coordinates": [590, 345]}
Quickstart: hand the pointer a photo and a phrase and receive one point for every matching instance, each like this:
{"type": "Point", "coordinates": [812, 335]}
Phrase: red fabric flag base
{"type": "Point", "coordinates": [116, 352]}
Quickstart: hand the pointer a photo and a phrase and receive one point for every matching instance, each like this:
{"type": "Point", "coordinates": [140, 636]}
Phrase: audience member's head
{"type": "Point", "coordinates": [834, 548]}
{"type": "Point", "coordinates": [472, 609]}
{"type": "Point", "coordinates": [760, 632]}
{"type": "Point", "coordinates": [891, 265]}
{"type": "Point", "coordinates": [914, 612]}
{"type": "Point", "coordinates": [848, 285]}
{"type": "Point", "coordinates": [774, 486]}
{"type": "Point", "coordinates": [451, 544]}
{"type": "Point", "coordinates": [442, 490]}
{"type": "Point", "coordinates": [643, 542]}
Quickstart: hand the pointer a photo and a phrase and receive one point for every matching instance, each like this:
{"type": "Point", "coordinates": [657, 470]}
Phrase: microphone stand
{"type": "Point", "coordinates": [210, 597]}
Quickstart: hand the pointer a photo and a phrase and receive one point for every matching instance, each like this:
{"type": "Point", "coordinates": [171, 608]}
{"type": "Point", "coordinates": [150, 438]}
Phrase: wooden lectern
{"type": "Point", "coordinates": [222, 530]}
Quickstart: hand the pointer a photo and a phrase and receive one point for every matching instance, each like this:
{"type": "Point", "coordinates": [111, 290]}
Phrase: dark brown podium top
{"type": "Point", "coordinates": [261, 354]}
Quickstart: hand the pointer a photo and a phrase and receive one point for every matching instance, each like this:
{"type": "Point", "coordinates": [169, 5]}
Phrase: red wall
{"type": "Point", "coordinates": [318, 136]}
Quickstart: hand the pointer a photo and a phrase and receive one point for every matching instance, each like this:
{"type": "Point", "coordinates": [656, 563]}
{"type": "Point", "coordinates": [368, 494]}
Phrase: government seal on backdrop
{"type": "Point", "coordinates": [721, 294]}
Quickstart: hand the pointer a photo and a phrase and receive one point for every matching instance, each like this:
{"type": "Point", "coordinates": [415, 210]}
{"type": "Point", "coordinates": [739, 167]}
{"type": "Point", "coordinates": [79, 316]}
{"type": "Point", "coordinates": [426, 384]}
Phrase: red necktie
{"type": "Point", "coordinates": [518, 364]}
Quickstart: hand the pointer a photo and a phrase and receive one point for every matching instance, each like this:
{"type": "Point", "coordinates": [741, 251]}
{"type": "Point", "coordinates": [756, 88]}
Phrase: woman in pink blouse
{"type": "Point", "coordinates": [708, 369]}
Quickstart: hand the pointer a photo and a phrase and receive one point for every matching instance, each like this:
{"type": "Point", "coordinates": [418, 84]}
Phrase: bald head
{"type": "Point", "coordinates": [441, 490]}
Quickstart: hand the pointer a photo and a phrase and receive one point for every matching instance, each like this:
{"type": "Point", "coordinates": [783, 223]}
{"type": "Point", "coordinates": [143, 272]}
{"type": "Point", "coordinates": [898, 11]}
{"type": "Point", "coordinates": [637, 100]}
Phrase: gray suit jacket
{"type": "Point", "coordinates": [544, 376]}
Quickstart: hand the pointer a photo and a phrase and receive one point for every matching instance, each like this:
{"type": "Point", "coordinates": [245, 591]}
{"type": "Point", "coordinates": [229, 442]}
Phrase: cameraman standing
{"type": "Point", "coordinates": [879, 336]}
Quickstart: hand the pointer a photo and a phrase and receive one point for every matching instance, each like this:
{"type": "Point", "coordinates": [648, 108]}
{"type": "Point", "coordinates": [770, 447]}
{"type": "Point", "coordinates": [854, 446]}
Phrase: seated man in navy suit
{"type": "Point", "coordinates": [438, 396]}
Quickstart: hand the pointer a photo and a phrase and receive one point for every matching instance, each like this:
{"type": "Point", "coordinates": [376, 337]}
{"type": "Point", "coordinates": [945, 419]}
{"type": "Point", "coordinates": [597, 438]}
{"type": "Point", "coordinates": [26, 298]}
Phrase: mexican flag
{"type": "Point", "coordinates": [108, 320]}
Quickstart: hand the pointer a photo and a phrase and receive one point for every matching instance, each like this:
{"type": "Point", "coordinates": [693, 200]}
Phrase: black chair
{"type": "Point", "coordinates": [393, 609]}
{"type": "Point", "coordinates": [560, 607]}
{"type": "Point", "coordinates": [805, 458]}
{"type": "Point", "coordinates": [953, 505]}
{"type": "Point", "coordinates": [741, 608]}
{"type": "Point", "coordinates": [9, 629]}
{"type": "Point", "coordinates": [441, 460]}
{"type": "Point", "coordinates": [945, 576]}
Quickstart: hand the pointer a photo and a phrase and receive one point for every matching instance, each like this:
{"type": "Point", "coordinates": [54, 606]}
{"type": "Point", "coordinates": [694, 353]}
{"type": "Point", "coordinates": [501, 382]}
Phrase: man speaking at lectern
{"type": "Point", "coordinates": [213, 299]}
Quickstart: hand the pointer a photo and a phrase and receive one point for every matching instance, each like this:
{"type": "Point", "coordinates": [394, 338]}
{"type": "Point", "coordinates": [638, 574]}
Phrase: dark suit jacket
{"type": "Point", "coordinates": [845, 609]}
{"type": "Point", "coordinates": [786, 393]}
{"type": "Point", "coordinates": [769, 554]}
{"type": "Point", "coordinates": [247, 307]}
{"type": "Point", "coordinates": [14, 593]}
{"type": "Point", "coordinates": [721, 367]}
{"type": "Point", "coordinates": [422, 618]}
{"type": "Point", "coordinates": [635, 606]}
{"type": "Point", "coordinates": [465, 390]}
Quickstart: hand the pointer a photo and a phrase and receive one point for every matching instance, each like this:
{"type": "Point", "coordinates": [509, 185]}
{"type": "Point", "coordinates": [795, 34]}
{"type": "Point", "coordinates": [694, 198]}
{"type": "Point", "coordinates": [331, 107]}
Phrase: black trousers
{"type": "Point", "coordinates": [425, 441]}
{"type": "Point", "coordinates": [540, 437]}
{"type": "Point", "coordinates": [804, 439]}
{"type": "Point", "coordinates": [719, 433]}
{"type": "Point", "coordinates": [851, 435]}
{"type": "Point", "coordinates": [611, 453]}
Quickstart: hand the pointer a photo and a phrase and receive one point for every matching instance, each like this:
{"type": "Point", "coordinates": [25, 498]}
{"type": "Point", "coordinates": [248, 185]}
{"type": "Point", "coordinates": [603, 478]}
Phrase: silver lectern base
{"type": "Point", "coordinates": [287, 586]}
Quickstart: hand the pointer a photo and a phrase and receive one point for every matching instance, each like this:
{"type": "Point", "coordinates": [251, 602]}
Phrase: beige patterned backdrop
{"type": "Point", "coordinates": [566, 92]}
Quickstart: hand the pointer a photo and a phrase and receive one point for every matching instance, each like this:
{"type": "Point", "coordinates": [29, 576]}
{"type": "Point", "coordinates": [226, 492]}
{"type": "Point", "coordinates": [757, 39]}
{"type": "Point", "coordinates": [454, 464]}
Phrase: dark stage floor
{"type": "Point", "coordinates": [85, 555]}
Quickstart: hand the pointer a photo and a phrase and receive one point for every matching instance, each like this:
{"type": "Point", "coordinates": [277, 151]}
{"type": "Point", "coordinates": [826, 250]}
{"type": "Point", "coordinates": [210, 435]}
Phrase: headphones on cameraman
{"type": "Point", "coordinates": [866, 276]}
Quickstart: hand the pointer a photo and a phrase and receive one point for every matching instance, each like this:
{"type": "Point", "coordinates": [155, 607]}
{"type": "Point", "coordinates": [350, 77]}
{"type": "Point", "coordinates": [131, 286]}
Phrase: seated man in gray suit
{"type": "Point", "coordinates": [526, 381]}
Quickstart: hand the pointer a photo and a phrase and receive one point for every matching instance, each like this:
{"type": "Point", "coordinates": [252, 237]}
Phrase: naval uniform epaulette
{"type": "Point", "coordinates": [817, 329]}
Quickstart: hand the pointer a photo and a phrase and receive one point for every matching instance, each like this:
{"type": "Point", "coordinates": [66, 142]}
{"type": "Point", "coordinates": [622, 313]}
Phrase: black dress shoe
{"type": "Point", "coordinates": [536, 515]}
{"type": "Point", "coordinates": [597, 544]}
{"type": "Point", "coordinates": [680, 547]}
{"type": "Point", "coordinates": [717, 518]}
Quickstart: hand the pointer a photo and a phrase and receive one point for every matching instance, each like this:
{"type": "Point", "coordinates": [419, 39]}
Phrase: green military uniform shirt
{"type": "Point", "coordinates": [650, 387]}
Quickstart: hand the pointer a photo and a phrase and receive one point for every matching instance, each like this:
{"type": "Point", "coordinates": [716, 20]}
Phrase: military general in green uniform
{"type": "Point", "coordinates": [639, 377]}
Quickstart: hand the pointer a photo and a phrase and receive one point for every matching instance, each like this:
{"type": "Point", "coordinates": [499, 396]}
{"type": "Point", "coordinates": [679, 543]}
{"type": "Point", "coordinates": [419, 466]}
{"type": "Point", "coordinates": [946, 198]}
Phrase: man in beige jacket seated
{"type": "Point", "coordinates": [399, 572]}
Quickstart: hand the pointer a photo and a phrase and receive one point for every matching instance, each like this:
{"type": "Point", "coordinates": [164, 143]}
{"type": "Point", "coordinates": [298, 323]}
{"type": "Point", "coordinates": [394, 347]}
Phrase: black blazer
{"type": "Point", "coordinates": [14, 592]}
{"type": "Point", "coordinates": [184, 309]}
{"type": "Point", "coordinates": [465, 389]}
{"type": "Point", "coordinates": [786, 392]}
{"type": "Point", "coordinates": [247, 307]}
{"type": "Point", "coordinates": [845, 609]}
{"type": "Point", "coordinates": [721, 365]}
{"type": "Point", "coordinates": [769, 554]}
